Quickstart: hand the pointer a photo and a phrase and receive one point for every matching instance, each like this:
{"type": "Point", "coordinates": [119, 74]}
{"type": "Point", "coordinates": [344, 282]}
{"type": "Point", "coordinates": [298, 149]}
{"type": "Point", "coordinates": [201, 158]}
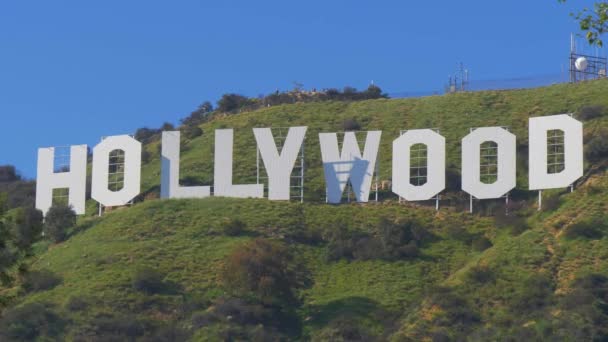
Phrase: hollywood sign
{"type": "Point", "coordinates": [340, 166]}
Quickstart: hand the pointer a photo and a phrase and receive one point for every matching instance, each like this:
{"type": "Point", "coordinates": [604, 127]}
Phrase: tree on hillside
{"type": "Point", "coordinates": [16, 191]}
{"type": "Point", "coordinates": [593, 22]}
{"type": "Point", "coordinates": [8, 173]}
{"type": "Point", "coordinates": [15, 239]}
{"type": "Point", "coordinates": [58, 220]}
{"type": "Point", "coordinates": [145, 134]}
{"type": "Point", "coordinates": [31, 322]}
{"type": "Point", "coordinates": [8, 253]}
{"type": "Point", "coordinates": [167, 126]}
{"type": "Point", "coordinates": [374, 92]}
{"type": "Point", "coordinates": [232, 103]}
{"type": "Point", "coordinates": [27, 227]}
{"type": "Point", "coordinates": [200, 115]}
{"type": "Point", "coordinates": [264, 268]}
{"type": "Point", "coordinates": [191, 132]}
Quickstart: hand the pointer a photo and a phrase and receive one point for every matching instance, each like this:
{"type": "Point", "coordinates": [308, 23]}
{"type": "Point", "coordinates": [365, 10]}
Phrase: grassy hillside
{"type": "Point", "coordinates": [528, 275]}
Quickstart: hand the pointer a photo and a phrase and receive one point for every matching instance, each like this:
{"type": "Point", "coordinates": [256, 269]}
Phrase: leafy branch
{"type": "Point", "coordinates": [594, 22]}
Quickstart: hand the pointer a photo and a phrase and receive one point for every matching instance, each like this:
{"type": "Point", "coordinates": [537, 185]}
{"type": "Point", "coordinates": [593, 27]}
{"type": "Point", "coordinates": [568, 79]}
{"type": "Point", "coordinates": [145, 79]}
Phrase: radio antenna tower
{"type": "Point", "coordinates": [585, 67]}
{"type": "Point", "coordinates": [572, 44]}
{"type": "Point", "coordinates": [459, 82]}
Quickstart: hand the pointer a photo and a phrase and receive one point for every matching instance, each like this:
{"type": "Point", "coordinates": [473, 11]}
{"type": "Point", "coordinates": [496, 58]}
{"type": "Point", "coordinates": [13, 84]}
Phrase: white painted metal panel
{"type": "Point", "coordinates": [573, 151]}
{"type": "Point", "coordinates": [75, 180]}
{"type": "Point", "coordinates": [435, 144]}
{"type": "Point", "coordinates": [279, 165]}
{"type": "Point", "coordinates": [349, 164]}
{"type": "Point", "coordinates": [169, 186]}
{"type": "Point", "coordinates": [223, 170]}
{"type": "Point", "coordinates": [132, 170]}
{"type": "Point", "coordinates": [506, 177]}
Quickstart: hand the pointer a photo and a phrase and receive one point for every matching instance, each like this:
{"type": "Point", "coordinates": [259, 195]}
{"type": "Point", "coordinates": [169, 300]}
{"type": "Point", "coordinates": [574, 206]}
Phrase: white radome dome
{"type": "Point", "coordinates": [581, 63]}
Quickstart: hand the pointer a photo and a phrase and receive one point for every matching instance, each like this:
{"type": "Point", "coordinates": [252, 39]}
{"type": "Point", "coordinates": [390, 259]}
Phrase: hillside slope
{"type": "Point", "coordinates": [528, 275]}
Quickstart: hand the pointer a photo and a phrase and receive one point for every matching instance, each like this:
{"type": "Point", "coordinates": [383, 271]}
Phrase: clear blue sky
{"type": "Point", "coordinates": [73, 71]}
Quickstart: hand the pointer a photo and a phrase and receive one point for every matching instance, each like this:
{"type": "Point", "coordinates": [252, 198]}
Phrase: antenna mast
{"type": "Point", "coordinates": [459, 82]}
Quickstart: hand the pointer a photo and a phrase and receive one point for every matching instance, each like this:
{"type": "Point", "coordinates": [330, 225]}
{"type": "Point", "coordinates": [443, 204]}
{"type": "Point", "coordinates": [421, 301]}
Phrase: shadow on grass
{"type": "Point", "coordinates": [150, 193]}
{"type": "Point", "coordinates": [352, 319]}
{"type": "Point", "coordinates": [89, 223]}
{"type": "Point", "coordinates": [171, 288]}
{"type": "Point", "coordinates": [352, 307]}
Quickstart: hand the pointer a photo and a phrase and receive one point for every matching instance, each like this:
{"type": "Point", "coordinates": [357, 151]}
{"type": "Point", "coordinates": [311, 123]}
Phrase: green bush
{"type": "Point", "coordinates": [516, 230]}
{"type": "Point", "coordinates": [148, 280]}
{"type": "Point", "coordinates": [42, 280]}
{"type": "Point", "coordinates": [513, 219]}
{"type": "Point", "coordinates": [400, 239]}
{"type": "Point", "coordinates": [480, 274]}
{"type": "Point", "coordinates": [365, 247]}
{"type": "Point", "coordinates": [588, 229]}
{"type": "Point", "coordinates": [242, 312]}
{"type": "Point", "coordinates": [441, 335]}
{"type": "Point", "coordinates": [587, 299]}
{"type": "Point", "coordinates": [145, 155]}
{"type": "Point", "coordinates": [246, 317]}
{"type": "Point", "coordinates": [249, 333]}
{"type": "Point", "coordinates": [76, 304]}
{"type": "Point", "coordinates": [391, 240]}
{"type": "Point", "coordinates": [234, 227]}
{"type": "Point", "coordinates": [536, 293]}
{"type": "Point", "coordinates": [117, 328]}
{"type": "Point", "coordinates": [596, 149]}
{"type": "Point", "coordinates": [19, 193]}
{"type": "Point", "coordinates": [146, 135]}
{"type": "Point", "coordinates": [588, 290]}
{"type": "Point", "coordinates": [453, 179]}
{"type": "Point", "coordinates": [340, 242]}
{"type": "Point", "coordinates": [27, 227]}
{"type": "Point", "coordinates": [58, 221]}
{"type": "Point", "coordinates": [458, 232]}
{"type": "Point", "coordinates": [167, 126]}
{"type": "Point", "coordinates": [458, 312]}
{"type": "Point", "coordinates": [31, 322]}
{"type": "Point", "coordinates": [410, 250]}
{"type": "Point", "coordinates": [351, 125]}
{"type": "Point", "coordinates": [591, 112]}
{"type": "Point", "coordinates": [481, 243]}
{"type": "Point", "coordinates": [200, 115]}
{"type": "Point", "coordinates": [344, 328]}
{"type": "Point", "coordinates": [264, 268]}
{"type": "Point", "coordinates": [551, 202]}
{"type": "Point", "coordinates": [203, 319]}
{"type": "Point", "coordinates": [310, 235]}
{"type": "Point", "coordinates": [169, 333]}
{"type": "Point", "coordinates": [191, 132]}
{"type": "Point", "coordinates": [234, 103]}
{"type": "Point", "coordinates": [8, 173]}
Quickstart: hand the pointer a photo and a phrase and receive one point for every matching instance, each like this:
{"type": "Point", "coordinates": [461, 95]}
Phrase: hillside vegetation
{"type": "Point", "coordinates": [241, 269]}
